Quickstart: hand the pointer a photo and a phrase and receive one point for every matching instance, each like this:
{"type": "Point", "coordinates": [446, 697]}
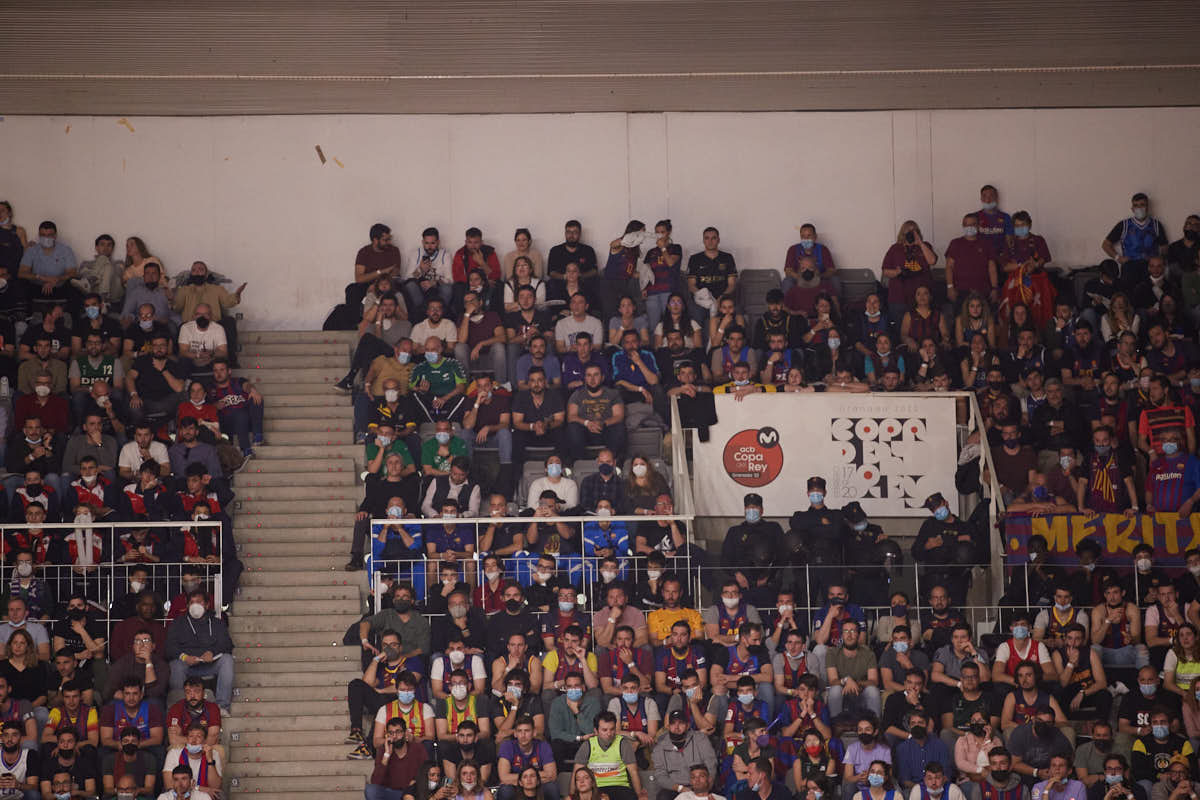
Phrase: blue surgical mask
{"type": "Point", "coordinates": [432, 357]}
{"type": "Point", "coordinates": [1148, 689]}
{"type": "Point", "coordinates": [816, 498]}
{"type": "Point", "coordinates": [745, 699]}
{"type": "Point", "coordinates": [1103, 449]}
{"type": "Point", "coordinates": [1020, 231]}
{"type": "Point", "coordinates": [1194, 383]}
{"type": "Point", "coordinates": [405, 697]}
{"type": "Point", "coordinates": [395, 512]}
{"type": "Point", "coordinates": [1138, 213]}
{"type": "Point", "coordinates": [48, 241]}
{"type": "Point", "coordinates": [516, 691]}
{"type": "Point", "coordinates": [1170, 448]}
{"type": "Point", "coordinates": [807, 244]}
{"type": "Point", "coordinates": [875, 779]}
{"type": "Point", "coordinates": [145, 324]}
{"type": "Point", "coordinates": [93, 312]}
{"type": "Point", "coordinates": [1160, 731]}
{"type": "Point", "coordinates": [989, 206]}
{"type": "Point", "coordinates": [691, 692]}
{"type": "Point", "coordinates": [970, 230]}
{"type": "Point", "coordinates": [629, 697]}
{"type": "Point", "coordinates": [574, 694]}
{"type": "Point", "coordinates": [942, 513]}
{"type": "Point", "coordinates": [900, 647]}
{"type": "Point", "coordinates": [554, 470]}
{"type": "Point", "coordinates": [860, 526]}
{"type": "Point", "coordinates": [834, 342]}
{"type": "Point", "coordinates": [753, 515]}
{"type": "Point", "coordinates": [1040, 494]}
{"type": "Point", "coordinates": [442, 437]}
{"type": "Point", "coordinates": [195, 748]}
{"type": "Point", "coordinates": [1112, 779]}
{"type": "Point", "coordinates": [403, 357]}
{"type": "Point", "coordinates": [566, 606]}
{"type": "Point", "coordinates": [1020, 631]}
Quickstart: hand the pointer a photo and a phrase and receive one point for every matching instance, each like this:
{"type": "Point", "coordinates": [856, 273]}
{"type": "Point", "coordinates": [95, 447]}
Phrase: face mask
{"type": "Point", "coordinates": [639, 470]}
{"type": "Point", "coordinates": [458, 692]}
{"type": "Point", "coordinates": [1138, 213]}
{"type": "Point", "coordinates": [24, 569]}
{"type": "Point", "coordinates": [900, 647]}
{"type": "Point", "coordinates": [1112, 779]}
{"type": "Point", "coordinates": [542, 576]}
{"type": "Point", "coordinates": [918, 731]}
{"type": "Point", "coordinates": [1060, 607]}
{"type": "Point", "coordinates": [1020, 231]}
{"type": "Point", "coordinates": [629, 697]}
{"type": "Point", "coordinates": [202, 323]}
{"type": "Point", "coordinates": [692, 693]}
{"type": "Point", "coordinates": [654, 574]}
{"type": "Point", "coordinates": [817, 794]}
{"type": "Point", "coordinates": [1148, 689]}
{"type": "Point", "coordinates": [741, 383]}
{"type": "Point", "coordinates": [458, 612]}
{"type": "Point", "coordinates": [1089, 567]}
{"type": "Point", "coordinates": [391, 395]}
{"type": "Point", "coordinates": [1001, 775]}
{"type": "Point", "coordinates": [607, 575]}
{"type": "Point", "coordinates": [136, 586]}
{"type": "Point", "coordinates": [513, 605]}
{"type": "Point", "coordinates": [432, 357]}
{"type": "Point", "coordinates": [816, 498]}
{"type": "Point", "coordinates": [395, 512]}
{"type": "Point", "coordinates": [989, 206]}
{"type": "Point", "coordinates": [449, 515]}
{"type": "Point", "coordinates": [1170, 448]}
{"type": "Point", "coordinates": [403, 357]}
{"type": "Point", "coordinates": [383, 441]}
{"type": "Point", "coordinates": [745, 699]}
{"type": "Point", "coordinates": [875, 779]}
{"type": "Point", "coordinates": [1040, 494]}
{"type": "Point", "coordinates": [442, 437]}
{"type": "Point", "coordinates": [941, 514]}
{"type": "Point", "coordinates": [145, 324]}
{"type": "Point", "coordinates": [1143, 565]}
{"type": "Point", "coordinates": [92, 312]}
{"type": "Point", "coordinates": [731, 602]}
{"type": "Point", "coordinates": [516, 691]}
{"type": "Point", "coordinates": [834, 343]}
{"type": "Point", "coordinates": [41, 390]}
{"type": "Point", "coordinates": [404, 696]}
{"type": "Point", "coordinates": [195, 748]}
{"type": "Point", "coordinates": [402, 606]}
{"type": "Point", "coordinates": [605, 469]}
{"type": "Point", "coordinates": [786, 608]}
{"type": "Point", "coordinates": [970, 230]}
{"type": "Point", "coordinates": [1020, 631]}
{"type": "Point", "coordinates": [1159, 731]}
{"type": "Point", "coordinates": [467, 787]}
{"type": "Point", "coordinates": [900, 611]}
{"type": "Point", "coordinates": [873, 314]}
{"type": "Point", "coordinates": [491, 576]}
{"type": "Point", "coordinates": [574, 694]}
{"type": "Point", "coordinates": [46, 241]}
{"type": "Point", "coordinates": [129, 749]}
{"type": "Point", "coordinates": [1194, 569]}
{"type": "Point", "coordinates": [807, 244]}
{"type": "Point", "coordinates": [554, 470]}
{"type": "Point", "coordinates": [867, 739]}
{"type": "Point", "coordinates": [976, 728]}
{"type": "Point", "coordinates": [196, 610]}
{"type": "Point", "coordinates": [1065, 462]}
{"type": "Point", "coordinates": [753, 515]}
{"type": "Point", "coordinates": [74, 613]}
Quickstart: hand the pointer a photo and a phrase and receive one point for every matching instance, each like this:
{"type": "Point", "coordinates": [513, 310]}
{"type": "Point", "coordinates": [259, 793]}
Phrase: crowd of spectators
{"type": "Point", "coordinates": [117, 405]}
{"type": "Point", "coordinates": [1088, 401]}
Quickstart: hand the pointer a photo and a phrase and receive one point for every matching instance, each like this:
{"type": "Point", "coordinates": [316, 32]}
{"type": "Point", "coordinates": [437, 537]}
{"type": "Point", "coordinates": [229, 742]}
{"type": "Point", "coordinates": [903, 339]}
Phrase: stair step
{"type": "Point", "coordinates": [264, 349]}
{"type": "Point", "coordinates": [255, 594]}
{"type": "Point", "coordinates": [274, 337]}
{"type": "Point", "coordinates": [327, 706]}
{"type": "Point", "coordinates": [255, 480]}
{"type": "Point", "coordinates": [300, 794]}
{"type": "Point", "coordinates": [328, 375]}
{"type": "Point", "coordinates": [251, 535]}
{"type": "Point", "coordinates": [284, 399]}
{"type": "Point", "coordinates": [295, 549]}
{"type": "Point", "coordinates": [274, 609]}
{"type": "Point", "coordinates": [293, 508]}
{"type": "Point", "coordinates": [282, 464]}
{"type": "Point", "coordinates": [255, 696]}
{"type": "Point", "coordinates": [299, 752]}
{"type": "Point", "coordinates": [277, 450]}
{"type": "Point", "coordinates": [284, 577]}
{"type": "Point", "coordinates": [313, 659]}
{"type": "Point", "coordinates": [281, 717]}
{"type": "Point", "coordinates": [288, 563]}
{"type": "Point", "coordinates": [339, 437]}
{"type": "Point", "coordinates": [297, 779]}
{"type": "Point", "coordinates": [251, 740]}
{"type": "Point", "coordinates": [313, 423]}
{"type": "Point", "coordinates": [334, 361]}
{"type": "Point", "coordinates": [335, 624]}
{"type": "Point", "coordinates": [273, 385]}
{"type": "Point", "coordinates": [253, 641]}
{"type": "Point", "coordinates": [296, 494]}
{"type": "Point", "coordinates": [337, 411]}
{"type": "Point", "coordinates": [315, 680]}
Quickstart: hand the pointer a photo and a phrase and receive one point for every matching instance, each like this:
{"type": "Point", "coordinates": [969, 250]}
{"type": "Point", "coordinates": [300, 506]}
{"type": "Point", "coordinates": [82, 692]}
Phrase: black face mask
{"type": "Point", "coordinates": [8, 749]}
{"type": "Point", "coordinates": [867, 739]}
{"type": "Point", "coordinates": [67, 753]}
{"type": "Point", "coordinates": [976, 728]}
{"type": "Point", "coordinates": [129, 749]}
{"type": "Point", "coordinates": [807, 274]}
{"type": "Point", "coordinates": [678, 740]}
{"type": "Point", "coordinates": [151, 285]}
{"type": "Point", "coordinates": [203, 322]}
{"type": "Point", "coordinates": [76, 613]}
{"type": "Point", "coordinates": [1103, 745]}
{"type": "Point", "coordinates": [910, 237]}
{"type": "Point", "coordinates": [402, 606]}
{"type": "Point", "coordinates": [918, 732]}
{"type": "Point", "coordinates": [33, 489]}
{"type": "Point", "coordinates": [1043, 730]}
{"type": "Point", "coordinates": [198, 280]}
{"type": "Point", "coordinates": [1001, 775]}
{"type": "Point", "coordinates": [1189, 235]}
{"type": "Point", "coordinates": [513, 606]}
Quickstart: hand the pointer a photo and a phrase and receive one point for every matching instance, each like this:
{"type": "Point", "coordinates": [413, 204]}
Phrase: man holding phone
{"type": "Point", "coordinates": [397, 764]}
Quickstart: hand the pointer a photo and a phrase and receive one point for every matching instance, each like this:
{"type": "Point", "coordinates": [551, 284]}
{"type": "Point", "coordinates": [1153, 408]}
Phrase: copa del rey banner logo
{"type": "Point", "coordinates": [887, 452]}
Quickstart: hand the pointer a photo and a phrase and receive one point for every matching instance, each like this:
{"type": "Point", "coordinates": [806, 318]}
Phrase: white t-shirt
{"type": "Point", "coordinates": [195, 794]}
{"type": "Point", "coordinates": [202, 341]}
{"type": "Point", "coordinates": [131, 456]}
{"type": "Point", "coordinates": [952, 792]}
{"type": "Point", "coordinates": [690, 795]}
{"type": "Point", "coordinates": [193, 761]}
{"type": "Point", "coordinates": [1043, 655]}
{"type": "Point", "coordinates": [472, 664]}
{"type": "Point", "coordinates": [566, 489]}
{"type": "Point", "coordinates": [445, 329]}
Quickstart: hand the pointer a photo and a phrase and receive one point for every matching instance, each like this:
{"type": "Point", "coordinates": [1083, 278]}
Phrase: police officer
{"type": "Point", "coordinates": [945, 547]}
{"type": "Point", "coordinates": [752, 545]}
{"type": "Point", "coordinates": [823, 532]}
{"type": "Point", "coordinates": [868, 576]}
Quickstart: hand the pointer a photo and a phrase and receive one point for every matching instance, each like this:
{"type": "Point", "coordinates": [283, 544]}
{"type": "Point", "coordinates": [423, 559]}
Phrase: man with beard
{"type": "Point", "coordinates": [154, 383]}
{"type": "Point", "coordinates": [571, 249]}
{"type": "Point", "coordinates": [1035, 743]}
{"type": "Point", "coordinates": [193, 709]}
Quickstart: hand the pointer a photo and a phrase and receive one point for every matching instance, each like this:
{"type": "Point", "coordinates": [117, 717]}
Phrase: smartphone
{"type": "Point", "coordinates": [447, 782]}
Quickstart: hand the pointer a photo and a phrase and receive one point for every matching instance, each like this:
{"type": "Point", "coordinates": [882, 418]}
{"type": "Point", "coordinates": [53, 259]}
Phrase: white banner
{"type": "Point", "coordinates": [888, 452]}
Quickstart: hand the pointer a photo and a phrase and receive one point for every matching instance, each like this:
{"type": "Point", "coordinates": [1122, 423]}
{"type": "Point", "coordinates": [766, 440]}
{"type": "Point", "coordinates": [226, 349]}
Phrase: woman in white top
{"type": "Point", "coordinates": [554, 480]}
{"type": "Point", "coordinates": [524, 241]}
{"type": "Point", "coordinates": [522, 275]}
{"type": "Point", "coordinates": [676, 318]}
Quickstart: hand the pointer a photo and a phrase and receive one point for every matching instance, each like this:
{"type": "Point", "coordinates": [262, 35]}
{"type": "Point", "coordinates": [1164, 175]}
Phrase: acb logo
{"type": "Point", "coordinates": [753, 458]}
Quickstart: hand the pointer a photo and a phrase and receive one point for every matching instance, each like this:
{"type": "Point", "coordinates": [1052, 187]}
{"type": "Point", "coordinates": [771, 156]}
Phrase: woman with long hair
{"type": "Point", "coordinates": [529, 784]}
{"type": "Point", "coordinates": [725, 317]}
{"type": "Point", "coordinates": [906, 265]}
{"type": "Point", "coordinates": [975, 316]}
{"type": "Point", "coordinates": [522, 275]}
{"type": "Point", "coordinates": [468, 785]}
{"type": "Point", "coordinates": [523, 242]}
{"type": "Point", "coordinates": [813, 760]}
{"type": "Point", "coordinates": [676, 318]}
{"type": "Point", "coordinates": [583, 786]}
{"type": "Point", "coordinates": [643, 485]}
{"type": "Point", "coordinates": [26, 677]}
{"type": "Point", "coordinates": [1120, 318]}
{"type": "Point", "coordinates": [8, 223]}
{"type": "Point", "coordinates": [430, 784]}
{"type": "Point", "coordinates": [661, 277]}
{"type": "Point", "coordinates": [627, 319]}
{"type": "Point", "coordinates": [1181, 668]}
{"type": "Point", "coordinates": [922, 320]}
{"type": "Point", "coordinates": [136, 256]}
{"type": "Point", "coordinates": [879, 782]}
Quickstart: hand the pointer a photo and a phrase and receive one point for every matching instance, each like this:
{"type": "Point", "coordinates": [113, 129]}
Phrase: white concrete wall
{"type": "Point", "coordinates": [249, 196]}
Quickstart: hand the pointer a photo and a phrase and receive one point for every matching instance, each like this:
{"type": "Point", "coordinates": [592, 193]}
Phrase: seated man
{"type": "Point", "coordinates": [377, 686]}
{"type": "Point", "coordinates": [91, 365]}
{"type": "Point", "coordinates": [582, 355]}
{"type": "Point", "coordinates": [200, 341]}
{"type": "Point", "coordinates": [1036, 742]}
{"type": "Point", "coordinates": [439, 453]}
{"type": "Point", "coordinates": [538, 417]}
{"type": "Point", "coordinates": [201, 649]}
{"type": "Point", "coordinates": [202, 759]}
{"type": "Point", "coordinates": [480, 331]}
{"type": "Point", "coordinates": [396, 366]}
{"type": "Point", "coordinates": [155, 383]}
{"type": "Point", "coordinates": [151, 290]}
{"type": "Point", "coordinates": [739, 384]}
{"type": "Point", "coordinates": [138, 335]}
{"type": "Point", "coordinates": [1153, 753]}
{"type": "Point", "coordinates": [1020, 649]}
{"type": "Point", "coordinates": [569, 713]}
{"type": "Point", "coordinates": [852, 674]}
{"type": "Point", "coordinates": [193, 710]}
{"type": "Point", "coordinates": [1116, 629]}
{"type": "Point", "coordinates": [438, 384]}
{"type": "Point", "coordinates": [920, 749]}
{"type": "Point", "coordinates": [131, 709]}
{"type": "Point", "coordinates": [53, 410]}
{"type": "Point", "coordinates": [468, 745]}
{"type": "Point", "coordinates": [462, 705]}
{"type": "Point", "coordinates": [612, 759]}
{"type": "Point", "coordinates": [521, 751]}
{"type": "Point", "coordinates": [637, 719]}
{"type": "Point", "coordinates": [621, 661]}
{"type": "Point", "coordinates": [47, 266]}
{"type": "Point", "coordinates": [488, 417]}
{"type": "Point", "coordinates": [595, 416]}
{"type": "Point", "coordinates": [577, 322]}
{"type": "Point", "coordinates": [418, 716]}
{"type": "Point", "coordinates": [239, 406]}
{"type": "Point", "coordinates": [201, 289]}
{"type": "Point", "coordinates": [747, 658]}
{"type": "Point", "coordinates": [538, 355]}
{"type": "Point", "coordinates": [1024, 699]}
{"type": "Point", "coordinates": [674, 658]}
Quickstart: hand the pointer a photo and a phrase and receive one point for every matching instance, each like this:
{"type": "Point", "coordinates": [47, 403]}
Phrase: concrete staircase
{"type": "Point", "coordinates": [293, 529]}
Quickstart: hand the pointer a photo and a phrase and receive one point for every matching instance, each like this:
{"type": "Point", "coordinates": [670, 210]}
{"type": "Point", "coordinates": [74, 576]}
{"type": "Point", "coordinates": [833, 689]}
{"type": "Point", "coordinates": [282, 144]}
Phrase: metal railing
{"type": "Point", "coordinates": [103, 583]}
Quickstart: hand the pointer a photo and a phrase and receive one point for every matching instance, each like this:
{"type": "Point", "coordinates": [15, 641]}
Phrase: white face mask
{"type": "Point", "coordinates": [639, 470]}
{"type": "Point", "coordinates": [456, 656]}
{"type": "Point", "coordinates": [41, 390]}
{"type": "Point", "coordinates": [491, 576]}
{"type": "Point", "coordinates": [391, 395]}
{"type": "Point", "coordinates": [458, 692]}
{"type": "Point", "coordinates": [542, 577]}
{"type": "Point", "coordinates": [196, 610]}
{"type": "Point", "coordinates": [136, 586]}
{"type": "Point", "coordinates": [607, 575]}
{"type": "Point", "coordinates": [83, 518]}
{"type": "Point", "coordinates": [24, 569]}
{"type": "Point", "coordinates": [654, 574]}
{"type": "Point", "coordinates": [731, 602]}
